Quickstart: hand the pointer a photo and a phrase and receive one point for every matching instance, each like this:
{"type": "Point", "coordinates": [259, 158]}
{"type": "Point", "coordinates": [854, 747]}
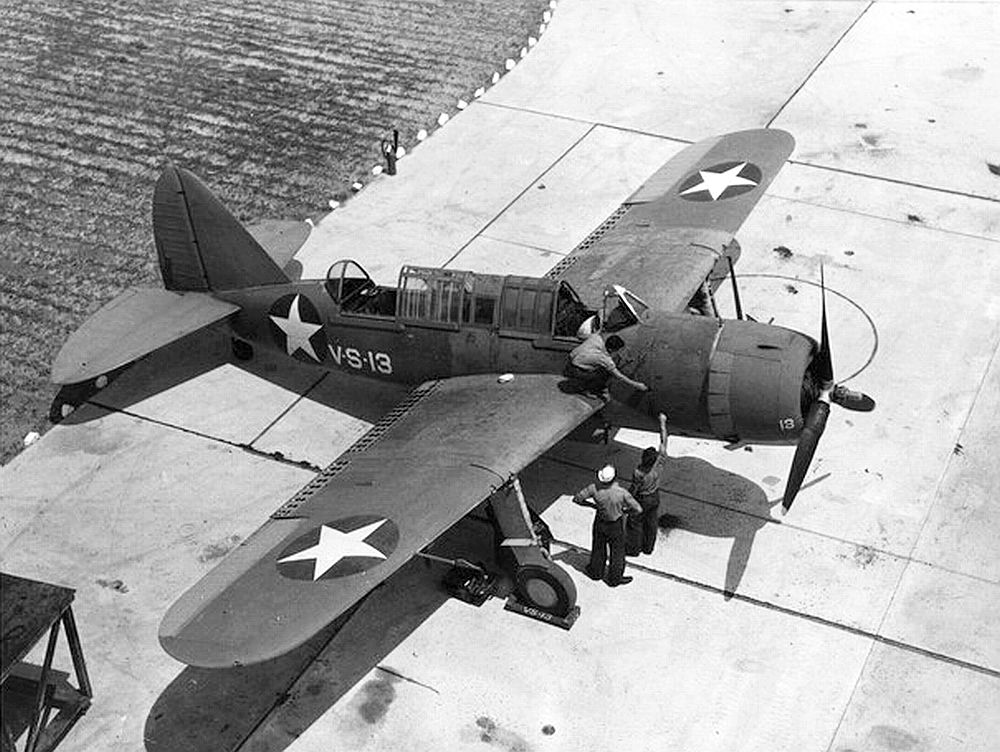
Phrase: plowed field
{"type": "Point", "coordinates": [278, 106]}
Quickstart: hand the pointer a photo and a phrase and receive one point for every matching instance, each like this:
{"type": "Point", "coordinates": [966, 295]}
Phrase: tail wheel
{"type": "Point", "coordinates": [548, 588]}
{"type": "Point", "coordinates": [242, 350]}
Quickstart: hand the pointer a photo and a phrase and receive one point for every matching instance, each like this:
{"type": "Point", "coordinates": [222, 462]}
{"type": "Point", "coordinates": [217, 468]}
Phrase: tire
{"type": "Point", "coordinates": [547, 587]}
{"type": "Point", "coordinates": [242, 350]}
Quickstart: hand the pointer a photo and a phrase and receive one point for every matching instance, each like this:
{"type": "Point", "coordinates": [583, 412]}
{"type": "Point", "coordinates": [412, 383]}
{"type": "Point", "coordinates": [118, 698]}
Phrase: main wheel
{"type": "Point", "coordinates": [547, 587]}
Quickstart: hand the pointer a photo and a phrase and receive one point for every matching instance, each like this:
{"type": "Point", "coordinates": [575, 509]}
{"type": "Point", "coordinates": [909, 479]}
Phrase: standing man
{"type": "Point", "coordinates": [612, 503]}
{"type": "Point", "coordinates": [640, 531]}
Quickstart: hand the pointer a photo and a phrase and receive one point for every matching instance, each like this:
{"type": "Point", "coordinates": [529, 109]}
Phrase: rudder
{"type": "Point", "coordinates": [200, 244]}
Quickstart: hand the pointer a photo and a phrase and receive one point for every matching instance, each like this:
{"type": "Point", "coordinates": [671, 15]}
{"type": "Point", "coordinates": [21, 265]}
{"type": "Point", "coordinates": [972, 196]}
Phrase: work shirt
{"type": "Point", "coordinates": [646, 483]}
{"type": "Point", "coordinates": [591, 354]}
{"type": "Point", "coordinates": [611, 501]}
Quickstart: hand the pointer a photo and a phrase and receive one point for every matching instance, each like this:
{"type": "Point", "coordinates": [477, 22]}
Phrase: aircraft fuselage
{"type": "Point", "coordinates": [287, 319]}
{"type": "Point", "coordinates": [715, 378]}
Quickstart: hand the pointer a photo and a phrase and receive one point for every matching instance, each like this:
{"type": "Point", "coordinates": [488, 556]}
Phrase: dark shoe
{"type": "Point", "coordinates": [591, 575]}
{"type": "Point", "coordinates": [622, 581]}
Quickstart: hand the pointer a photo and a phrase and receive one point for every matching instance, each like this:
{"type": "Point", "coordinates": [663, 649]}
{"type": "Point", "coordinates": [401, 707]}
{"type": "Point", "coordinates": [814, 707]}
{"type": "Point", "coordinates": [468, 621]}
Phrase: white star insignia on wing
{"type": "Point", "coordinates": [334, 545]}
{"type": "Point", "coordinates": [716, 183]}
{"type": "Point", "coordinates": [297, 332]}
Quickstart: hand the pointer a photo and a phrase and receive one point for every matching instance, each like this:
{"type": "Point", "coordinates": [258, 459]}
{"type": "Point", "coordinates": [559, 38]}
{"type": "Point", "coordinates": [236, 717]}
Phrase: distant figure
{"type": "Point", "coordinates": [640, 531]}
{"type": "Point", "coordinates": [591, 366]}
{"type": "Point", "coordinates": [612, 503]}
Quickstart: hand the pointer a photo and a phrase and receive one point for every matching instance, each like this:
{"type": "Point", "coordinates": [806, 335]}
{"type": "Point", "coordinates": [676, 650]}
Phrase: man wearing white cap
{"type": "Point", "coordinates": [612, 503]}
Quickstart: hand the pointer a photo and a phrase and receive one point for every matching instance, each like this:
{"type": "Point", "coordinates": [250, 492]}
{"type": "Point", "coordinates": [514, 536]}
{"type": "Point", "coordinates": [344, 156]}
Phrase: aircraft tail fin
{"type": "Point", "coordinates": [200, 244]}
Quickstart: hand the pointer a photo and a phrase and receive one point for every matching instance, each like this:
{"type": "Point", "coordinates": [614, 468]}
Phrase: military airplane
{"type": "Point", "coordinates": [486, 356]}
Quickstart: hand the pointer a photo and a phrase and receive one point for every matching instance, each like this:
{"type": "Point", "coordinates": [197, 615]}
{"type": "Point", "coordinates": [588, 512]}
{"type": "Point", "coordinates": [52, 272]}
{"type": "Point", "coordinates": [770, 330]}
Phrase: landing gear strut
{"type": "Point", "coordinates": [542, 588]}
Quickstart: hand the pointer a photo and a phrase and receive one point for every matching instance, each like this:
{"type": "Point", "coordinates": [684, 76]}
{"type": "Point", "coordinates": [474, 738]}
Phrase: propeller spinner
{"type": "Point", "coordinates": [819, 410]}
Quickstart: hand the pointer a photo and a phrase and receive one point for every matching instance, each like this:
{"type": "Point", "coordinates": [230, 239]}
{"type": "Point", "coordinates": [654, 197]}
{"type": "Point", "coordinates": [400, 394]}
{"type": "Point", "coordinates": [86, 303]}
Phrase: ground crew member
{"type": "Point", "coordinates": [640, 531]}
{"type": "Point", "coordinates": [612, 503]}
{"type": "Point", "coordinates": [591, 365]}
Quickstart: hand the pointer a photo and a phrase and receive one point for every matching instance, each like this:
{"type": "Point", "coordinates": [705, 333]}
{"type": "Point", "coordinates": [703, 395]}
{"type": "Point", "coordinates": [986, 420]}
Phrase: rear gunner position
{"type": "Point", "coordinates": [462, 432]}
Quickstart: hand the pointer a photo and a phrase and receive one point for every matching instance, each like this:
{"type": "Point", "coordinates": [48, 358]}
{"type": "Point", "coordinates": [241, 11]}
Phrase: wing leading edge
{"type": "Point", "coordinates": [382, 501]}
{"type": "Point", "coordinates": [681, 222]}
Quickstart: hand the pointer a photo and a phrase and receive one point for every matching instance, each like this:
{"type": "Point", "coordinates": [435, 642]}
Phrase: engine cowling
{"type": "Point", "coordinates": [723, 379]}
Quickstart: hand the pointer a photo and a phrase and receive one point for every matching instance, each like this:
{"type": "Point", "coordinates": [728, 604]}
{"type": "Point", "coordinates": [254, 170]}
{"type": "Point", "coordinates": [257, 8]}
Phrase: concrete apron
{"type": "Point", "coordinates": [867, 619]}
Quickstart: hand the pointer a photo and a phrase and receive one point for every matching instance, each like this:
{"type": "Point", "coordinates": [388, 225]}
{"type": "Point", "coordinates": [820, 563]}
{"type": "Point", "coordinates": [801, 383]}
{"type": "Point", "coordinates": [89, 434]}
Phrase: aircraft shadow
{"type": "Point", "coordinates": [706, 500]}
{"type": "Point", "coordinates": [266, 706]}
{"type": "Point", "coordinates": [164, 369]}
{"type": "Point", "coordinates": [204, 351]}
{"type": "Point", "coordinates": [696, 496]}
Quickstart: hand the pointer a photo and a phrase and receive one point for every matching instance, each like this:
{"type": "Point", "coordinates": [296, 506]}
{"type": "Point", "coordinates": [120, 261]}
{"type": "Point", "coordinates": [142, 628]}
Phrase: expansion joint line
{"type": "Point", "coordinates": [822, 60]}
{"type": "Point", "coordinates": [288, 409]}
{"type": "Point", "coordinates": [881, 639]}
{"type": "Point", "coordinates": [516, 198]}
{"type": "Point", "coordinates": [894, 181]}
{"type": "Point", "coordinates": [275, 456]}
{"type": "Point", "coordinates": [937, 493]}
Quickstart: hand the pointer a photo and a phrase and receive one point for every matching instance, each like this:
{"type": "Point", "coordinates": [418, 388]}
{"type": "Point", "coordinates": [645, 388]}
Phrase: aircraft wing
{"type": "Point", "coordinates": [668, 237]}
{"type": "Point", "coordinates": [434, 458]}
{"type": "Point", "coordinates": [134, 324]}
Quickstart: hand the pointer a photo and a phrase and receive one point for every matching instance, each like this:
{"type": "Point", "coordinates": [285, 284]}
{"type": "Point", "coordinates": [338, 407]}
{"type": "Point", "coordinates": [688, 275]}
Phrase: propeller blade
{"type": "Point", "coordinates": [808, 441]}
{"type": "Point", "coordinates": [824, 359]}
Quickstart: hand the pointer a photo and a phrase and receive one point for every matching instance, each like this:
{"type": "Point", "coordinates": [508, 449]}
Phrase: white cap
{"type": "Point", "coordinates": [606, 474]}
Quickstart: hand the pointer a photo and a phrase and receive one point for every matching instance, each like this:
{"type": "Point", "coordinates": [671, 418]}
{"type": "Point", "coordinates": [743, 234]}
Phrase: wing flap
{"type": "Point", "coordinates": [680, 223]}
{"type": "Point", "coordinates": [134, 324]}
{"type": "Point", "coordinates": [382, 501]}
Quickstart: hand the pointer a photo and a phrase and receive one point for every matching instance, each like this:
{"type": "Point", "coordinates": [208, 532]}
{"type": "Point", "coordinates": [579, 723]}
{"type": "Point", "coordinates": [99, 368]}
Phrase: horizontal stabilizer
{"type": "Point", "coordinates": [134, 324]}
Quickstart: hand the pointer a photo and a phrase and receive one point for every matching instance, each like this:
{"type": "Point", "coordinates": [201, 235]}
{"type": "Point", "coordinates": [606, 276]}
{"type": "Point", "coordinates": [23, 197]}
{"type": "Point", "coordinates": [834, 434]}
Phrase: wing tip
{"type": "Point", "coordinates": [77, 362]}
{"type": "Point", "coordinates": [774, 140]}
{"type": "Point", "coordinates": [219, 654]}
{"type": "Point", "coordinates": [201, 654]}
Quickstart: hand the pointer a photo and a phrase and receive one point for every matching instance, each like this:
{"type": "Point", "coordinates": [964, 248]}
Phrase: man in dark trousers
{"type": "Point", "coordinates": [640, 531]}
{"type": "Point", "coordinates": [612, 503]}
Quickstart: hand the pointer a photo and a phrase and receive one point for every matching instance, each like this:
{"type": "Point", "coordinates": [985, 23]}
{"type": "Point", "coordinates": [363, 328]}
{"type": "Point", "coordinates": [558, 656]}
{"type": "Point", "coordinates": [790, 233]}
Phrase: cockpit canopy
{"type": "Point", "coordinates": [452, 298]}
{"type": "Point", "coordinates": [622, 308]}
